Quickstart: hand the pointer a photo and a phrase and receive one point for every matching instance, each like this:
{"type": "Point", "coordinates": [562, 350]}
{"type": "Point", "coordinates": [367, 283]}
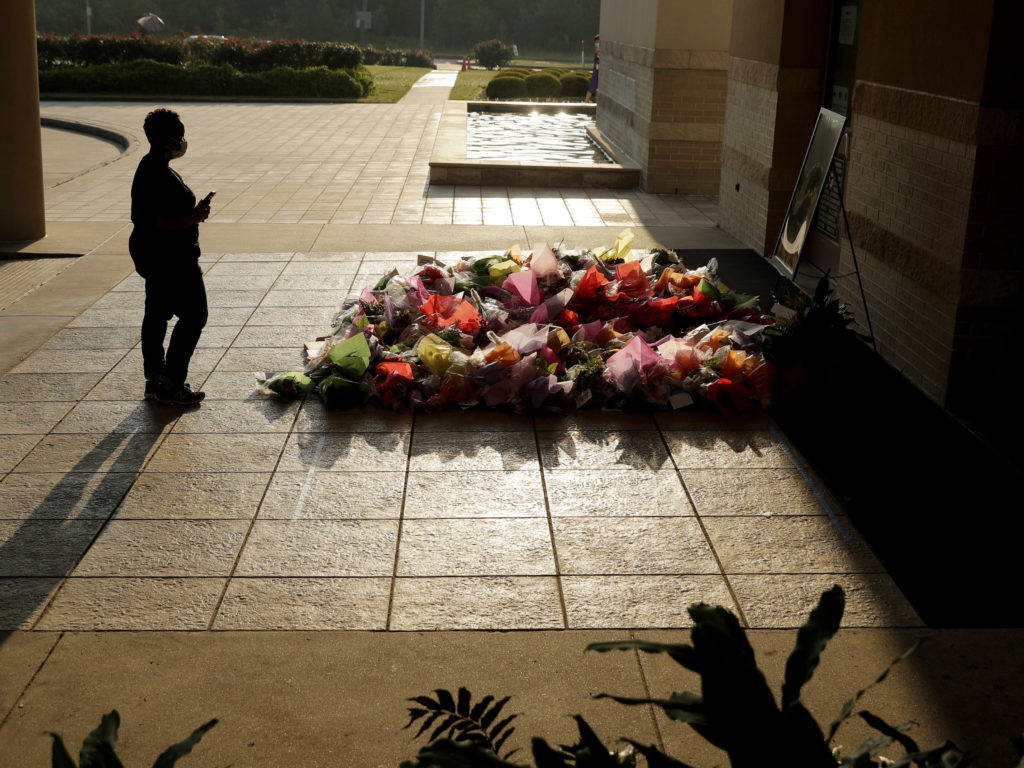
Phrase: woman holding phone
{"type": "Point", "coordinates": [164, 245]}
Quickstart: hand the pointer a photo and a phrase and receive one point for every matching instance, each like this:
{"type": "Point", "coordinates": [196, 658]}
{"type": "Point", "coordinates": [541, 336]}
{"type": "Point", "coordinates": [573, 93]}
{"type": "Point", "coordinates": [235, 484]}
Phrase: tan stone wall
{"type": "Point", "coordinates": [624, 104]}
{"type": "Point", "coordinates": [662, 89]}
{"type": "Point", "coordinates": [908, 196]}
{"type": "Point", "coordinates": [748, 137]}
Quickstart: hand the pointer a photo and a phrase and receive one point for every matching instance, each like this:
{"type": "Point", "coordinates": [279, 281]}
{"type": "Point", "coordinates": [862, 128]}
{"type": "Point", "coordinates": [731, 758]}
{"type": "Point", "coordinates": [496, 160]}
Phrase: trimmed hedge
{"type": "Point", "coordinates": [152, 77]}
{"type": "Point", "coordinates": [541, 85]}
{"type": "Point", "coordinates": [506, 88]}
{"type": "Point", "coordinates": [574, 85]}
{"type": "Point", "coordinates": [244, 55]}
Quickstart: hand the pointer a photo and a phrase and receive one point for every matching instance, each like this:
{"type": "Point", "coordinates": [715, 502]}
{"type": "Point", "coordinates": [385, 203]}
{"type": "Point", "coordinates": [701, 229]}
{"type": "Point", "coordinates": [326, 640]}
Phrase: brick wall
{"type": "Point", "coordinates": [747, 142]}
{"type": "Point", "coordinates": [908, 196]}
{"type": "Point", "coordinates": [665, 111]}
{"type": "Point", "coordinates": [624, 101]}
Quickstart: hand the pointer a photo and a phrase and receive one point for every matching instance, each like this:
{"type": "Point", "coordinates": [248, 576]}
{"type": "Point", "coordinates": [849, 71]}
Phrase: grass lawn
{"type": "Point", "coordinates": [392, 83]}
{"type": "Point", "coordinates": [468, 85]}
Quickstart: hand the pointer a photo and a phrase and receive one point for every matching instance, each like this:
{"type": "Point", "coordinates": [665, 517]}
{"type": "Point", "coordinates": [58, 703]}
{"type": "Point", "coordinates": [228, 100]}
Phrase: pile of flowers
{"type": "Point", "coordinates": [552, 330]}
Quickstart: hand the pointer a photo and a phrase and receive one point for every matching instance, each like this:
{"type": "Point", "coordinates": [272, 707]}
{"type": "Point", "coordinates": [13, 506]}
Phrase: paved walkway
{"type": "Point", "coordinates": [248, 514]}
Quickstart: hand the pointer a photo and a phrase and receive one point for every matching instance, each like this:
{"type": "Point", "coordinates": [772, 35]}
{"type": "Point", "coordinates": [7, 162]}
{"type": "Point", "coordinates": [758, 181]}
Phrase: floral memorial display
{"type": "Point", "coordinates": [550, 331]}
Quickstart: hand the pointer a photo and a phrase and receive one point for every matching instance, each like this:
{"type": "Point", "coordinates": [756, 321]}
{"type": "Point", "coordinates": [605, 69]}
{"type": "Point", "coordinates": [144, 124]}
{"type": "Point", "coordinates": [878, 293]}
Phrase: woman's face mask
{"type": "Point", "coordinates": [182, 147]}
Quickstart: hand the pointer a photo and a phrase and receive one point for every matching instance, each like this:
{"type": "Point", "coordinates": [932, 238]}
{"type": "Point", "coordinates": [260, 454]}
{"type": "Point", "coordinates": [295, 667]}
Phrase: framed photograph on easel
{"type": "Point", "coordinates": [814, 173]}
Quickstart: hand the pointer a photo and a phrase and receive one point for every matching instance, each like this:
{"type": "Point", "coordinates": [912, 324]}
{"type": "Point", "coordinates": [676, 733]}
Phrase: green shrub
{"type": "Point", "coordinates": [506, 88]}
{"type": "Point", "coordinates": [541, 85]}
{"type": "Point", "coordinates": [151, 77]}
{"type": "Point", "coordinates": [573, 85]}
{"type": "Point", "coordinates": [244, 55]}
{"type": "Point", "coordinates": [512, 73]}
{"type": "Point", "coordinates": [521, 71]}
{"type": "Point", "coordinates": [491, 54]}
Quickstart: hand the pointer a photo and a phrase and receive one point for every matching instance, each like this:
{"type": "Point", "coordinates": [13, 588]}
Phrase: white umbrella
{"type": "Point", "coordinates": [151, 22]}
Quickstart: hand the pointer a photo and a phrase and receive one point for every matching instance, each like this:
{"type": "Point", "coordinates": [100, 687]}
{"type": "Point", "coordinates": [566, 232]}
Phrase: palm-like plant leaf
{"type": "Point", "coordinates": [175, 752]}
{"type": "Point", "coordinates": [461, 721]}
{"type": "Point", "coordinates": [655, 757]}
{"type": "Point", "coordinates": [848, 706]}
{"type": "Point", "coordinates": [811, 640]}
{"type": "Point", "coordinates": [682, 654]}
{"type": "Point", "coordinates": [446, 753]}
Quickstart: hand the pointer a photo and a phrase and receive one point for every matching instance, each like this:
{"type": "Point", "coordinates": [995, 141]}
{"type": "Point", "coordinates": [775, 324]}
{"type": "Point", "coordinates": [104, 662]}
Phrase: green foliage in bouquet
{"type": "Point", "coordinates": [736, 711]}
{"type": "Point", "coordinates": [99, 748]}
{"type": "Point", "coordinates": [820, 321]}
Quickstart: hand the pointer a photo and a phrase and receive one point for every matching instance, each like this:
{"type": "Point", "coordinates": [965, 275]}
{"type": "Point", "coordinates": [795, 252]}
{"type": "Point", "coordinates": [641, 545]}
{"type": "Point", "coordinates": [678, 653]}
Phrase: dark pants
{"type": "Point", "coordinates": [172, 292]}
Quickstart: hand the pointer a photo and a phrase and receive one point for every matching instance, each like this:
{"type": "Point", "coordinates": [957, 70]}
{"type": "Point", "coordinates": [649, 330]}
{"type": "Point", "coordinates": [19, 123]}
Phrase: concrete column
{"type": "Point", "coordinates": [776, 61]}
{"type": "Point", "coordinates": [662, 89]}
{"type": "Point", "coordinates": [22, 215]}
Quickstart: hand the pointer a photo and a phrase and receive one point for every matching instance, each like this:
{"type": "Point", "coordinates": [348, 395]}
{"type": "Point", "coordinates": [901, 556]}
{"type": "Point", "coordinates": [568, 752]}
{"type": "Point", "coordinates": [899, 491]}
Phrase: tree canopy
{"type": "Point", "coordinates": [449, 24]}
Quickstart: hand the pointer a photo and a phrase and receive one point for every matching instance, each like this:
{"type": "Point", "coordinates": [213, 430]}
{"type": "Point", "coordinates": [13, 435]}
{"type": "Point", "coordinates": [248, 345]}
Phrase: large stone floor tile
{"type": "Point", "coordinates": [246, 299]}
{"type": "Point", "coordinates": [37, 548]}
{"type": "Point", "coordinates": [279, 335]}
{"type": "Point", "coordinates": [133, 604]}
{"type": "Point", "coordinates": [69, 342]}
{"type": "Point", "coordinates": [232, 385]}
{"type": "Point", "coordinates": [783, 601]}
{"type": "Point", "coordinates": [593, 602]}
{"type": "Point", "coordinates": [279, 298]}
{"type": "Point", "coordinates": [110, 317]}
{"type": "Point", "coordinates": [40, 387]}
{"type": "Point", "coordinates": [703, 419]}
{"type": "Point", "coordinates": [615, 492]}
{"type": "Point", "coordinates": [750, 492]}
{"type": "Point", "coordinates": [319, 548]}
{"type": "Point", "coordinates": [788, 544]}
{"type": "Point", "coordinates": [117, 417]}
{"type": "Point", "coordinates": [701, 449]}
{"type": "Point", "coordinates": [250, 360]}
{"type": "Point", "coordinates": [119, 386]}
{"type": "Point", "coordinates": [451, 451]}
{"type": "Point", "coordinates": [481, 493]}
{"type": "Point", "coordinates": [506, 547]}
{"type": "Point", "coordinates": [478, 602]}
{"type": "Point", "coordinates": [305, 604]}
{"type": "Point", "coordinates": [218, 453]}
{"type": "Point", "coordinates": [111, 452]}
{"type": "Point", "coordinates": [351, 710]}
{"type": "Point", "coordinates": [14, 448]}
{"type": "Point", "coordinates": [615, 545]}
{"type": "Point", "coordinates": [314, 416]}
{"type": "Point", "coordinates": [593, 449]}
{"type": "Point", "coordinates": [334, 496]}
{"type": "Point", "coordinates": [194, 495]}
{"type": "Point", "coordinates": [72, 361]}
{"type": "Point", "coordinates": [22, 601]}
{"type": "Point", "coordinates": [164, 548]}
{"type": "Point", "coordinates": [473, 421]}
{"type": "Point", "coordinates": [345, 451]}
{"type": "Point", "coordinates": [31, 418]}
{"type": "Point", "coordinates": [295, 315]}
{"type": "Point", "coordinates": [596, 419]}
{"type": "Point", "coordinates": [22, 654]}
{"type": "Point", "coordinates": [237, 416]}
{"type": "Point", "coordinates": [203, 361]}
{"type": "Point", "coordinates": [58, 496]}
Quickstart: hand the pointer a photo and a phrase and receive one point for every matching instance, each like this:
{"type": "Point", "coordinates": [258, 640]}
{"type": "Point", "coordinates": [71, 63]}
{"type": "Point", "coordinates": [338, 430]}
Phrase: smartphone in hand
{"type": "Point", "coordinates": [209, 197]}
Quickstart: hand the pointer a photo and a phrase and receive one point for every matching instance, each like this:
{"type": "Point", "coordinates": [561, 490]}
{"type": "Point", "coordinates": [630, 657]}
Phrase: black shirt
{"type": "Point", "coordinates": [158, 190]}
